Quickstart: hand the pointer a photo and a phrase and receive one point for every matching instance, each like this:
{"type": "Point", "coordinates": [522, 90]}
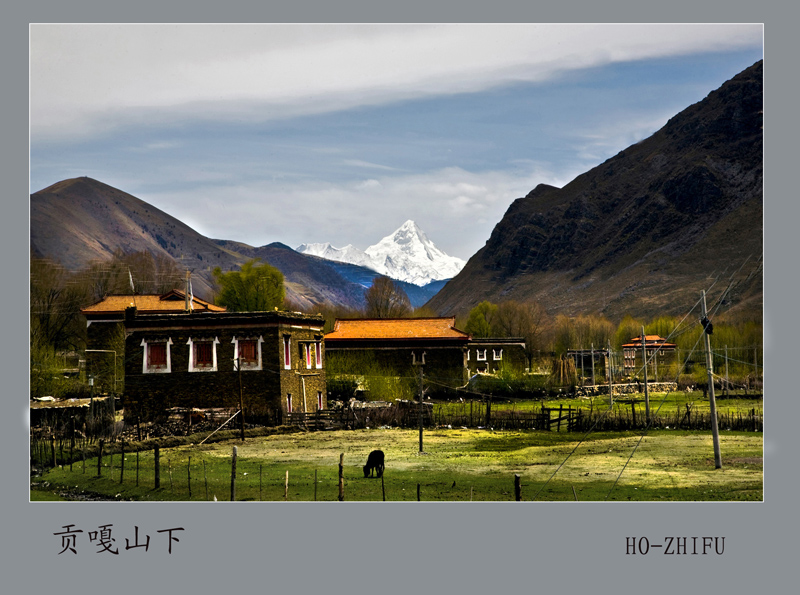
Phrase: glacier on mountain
{"type": "Point", "coordinates": [407, 255]}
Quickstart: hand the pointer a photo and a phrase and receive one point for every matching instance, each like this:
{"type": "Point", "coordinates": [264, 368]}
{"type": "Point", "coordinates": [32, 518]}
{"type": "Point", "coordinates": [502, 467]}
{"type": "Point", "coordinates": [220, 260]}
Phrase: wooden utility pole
{"type": "Point", "coordinates": [241, 398]}
{"type": "Point", "coordinates": [727, 380]}
{"type": "Point", "coordinates": [707, 328]}
{"type": "Point", "coordinates": [593, 381]}
{"type": "Point", "coordinates": [610, 379]}
{"type": "Point", "coordinates": [421, 416]}
{"type": "Point", "coordinates": [646, 393]}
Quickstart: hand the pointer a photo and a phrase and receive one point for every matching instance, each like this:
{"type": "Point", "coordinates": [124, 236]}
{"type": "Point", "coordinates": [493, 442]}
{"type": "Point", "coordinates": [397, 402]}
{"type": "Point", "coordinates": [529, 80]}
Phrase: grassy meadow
{"type": "Point", "coordinates": [456, 465]}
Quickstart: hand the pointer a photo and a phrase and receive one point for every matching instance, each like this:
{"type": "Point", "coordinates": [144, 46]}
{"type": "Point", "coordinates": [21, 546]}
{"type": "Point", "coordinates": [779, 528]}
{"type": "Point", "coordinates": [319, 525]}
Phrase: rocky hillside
{"type": "Point", "coordinates": [644, 232]}
{"type": "Point", "coordinates": [79, 220]}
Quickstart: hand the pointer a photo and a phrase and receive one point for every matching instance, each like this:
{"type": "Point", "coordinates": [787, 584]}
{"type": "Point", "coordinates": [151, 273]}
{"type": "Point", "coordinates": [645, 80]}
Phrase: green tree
{"type": "Point", "coordinates": [627, 329]}
{"type": "Point", "coordinates": [254, 288]}
{"type": "Point", "coordinates": [479, 323]}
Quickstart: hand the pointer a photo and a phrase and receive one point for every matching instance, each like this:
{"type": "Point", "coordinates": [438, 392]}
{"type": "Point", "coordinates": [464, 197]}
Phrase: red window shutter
{"type": "Point", "coordinates": [157, 354]}
{"type": "Point", "coordinates": [247, 351]}
{"type": "Point", "coordinates": [203, 354]}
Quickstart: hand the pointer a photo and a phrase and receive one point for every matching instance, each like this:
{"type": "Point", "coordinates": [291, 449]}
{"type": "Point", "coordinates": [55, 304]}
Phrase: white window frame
{"type": "Point", "coordinates": [214, 343]}
{"type": "Point", "coordinates": [414, 358]}
{"type": "Point", "coordinates": [496, 356]}
{"type": "Point", "coordinates": [478, 356]}
{"type": "Point", "coordinates": [146, 369]}
{"type": "Point", "coordinates": [318, 354]}
{"type": "Point", "coordinates": [245, 366]}
{"type": "Point", "coordinates": [319, 400]}
{"type": "Point", "coordinates": [288, 402]}
{"type": "Point", "coordinates": [287, 352]}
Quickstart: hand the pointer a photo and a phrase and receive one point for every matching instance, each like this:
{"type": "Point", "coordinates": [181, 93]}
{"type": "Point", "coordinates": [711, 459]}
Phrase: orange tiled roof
{"type": "Point", "coordinates": [396, 328]}
{"type": "Point", "coordinates": [173, 301]}
{"type": "Point", "coordinates": [650, 340]}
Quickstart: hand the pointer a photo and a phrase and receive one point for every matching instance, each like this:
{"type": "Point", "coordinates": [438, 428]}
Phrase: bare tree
{"type": "Point", "coordinates": [518, 319]}
{"type": "Point", "coordinates": [385, 299]}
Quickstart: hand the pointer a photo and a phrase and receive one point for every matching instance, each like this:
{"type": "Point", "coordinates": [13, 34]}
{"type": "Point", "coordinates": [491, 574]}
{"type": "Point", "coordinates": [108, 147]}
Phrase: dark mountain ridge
{"type": "Point", "coordinates": [643, 232]}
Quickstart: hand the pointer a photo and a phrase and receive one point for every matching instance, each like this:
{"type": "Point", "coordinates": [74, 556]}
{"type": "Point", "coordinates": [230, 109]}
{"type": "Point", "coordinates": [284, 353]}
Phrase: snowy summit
{"type": "Point", "coordinates": [406, 255]}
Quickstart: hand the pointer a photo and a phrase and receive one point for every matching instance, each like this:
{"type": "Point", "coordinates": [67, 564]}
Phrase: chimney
{"type": "Point", "coordinates": [130, 313]}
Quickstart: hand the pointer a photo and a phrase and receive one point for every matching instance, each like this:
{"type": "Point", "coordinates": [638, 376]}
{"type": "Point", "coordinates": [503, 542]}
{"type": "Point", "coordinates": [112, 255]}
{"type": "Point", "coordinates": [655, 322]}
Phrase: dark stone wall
{"type": "Point", "coordinates": [264, 391]}
{"type": "Point", "coordinates": [444, 364]}
{"type": "Point", "coordinates": [513, 358]}
{"type": "Point", "coordinates": [103, 335]}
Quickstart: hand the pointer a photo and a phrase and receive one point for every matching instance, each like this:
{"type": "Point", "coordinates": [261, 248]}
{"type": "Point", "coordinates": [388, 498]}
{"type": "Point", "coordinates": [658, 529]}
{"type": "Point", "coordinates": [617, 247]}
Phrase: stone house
{"type": "Point", "coordinates": [660, 356]}
{"type": "Point", "coordinates": [105, 330]}
{"type": "Point", "coordinates": [491, 355]}
{"type": "Point", "coordinates": [206, 359]}
{"type": "Point", "coordinates": [399, 345]}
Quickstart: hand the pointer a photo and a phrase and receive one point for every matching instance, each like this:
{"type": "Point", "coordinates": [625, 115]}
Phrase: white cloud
{"type": "Point", "coordinates": [367, 164]}
{"type": "Point", "coordinates": [457, 208]}
{"type": "Point", "coordinates": [92, 77]}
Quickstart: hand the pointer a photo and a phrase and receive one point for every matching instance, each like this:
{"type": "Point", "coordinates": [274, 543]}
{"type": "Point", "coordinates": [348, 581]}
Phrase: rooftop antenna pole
{"type": "Point", "coordinates": [707, 330]}
{"type": "Point", "coordinates": [186, 293]}
{"type": "Point", "coordinates": [133, 291]}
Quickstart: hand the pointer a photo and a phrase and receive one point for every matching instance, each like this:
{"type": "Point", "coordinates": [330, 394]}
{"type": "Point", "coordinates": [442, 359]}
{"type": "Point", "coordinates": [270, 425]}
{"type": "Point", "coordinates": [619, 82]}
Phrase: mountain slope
{"type": "Point", "coordinates": [644, 232]}
{"type": "Point", "coordinates": [79, 220]}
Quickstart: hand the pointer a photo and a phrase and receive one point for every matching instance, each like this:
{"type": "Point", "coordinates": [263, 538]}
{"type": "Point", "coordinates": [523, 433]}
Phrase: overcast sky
{"type": "Point", "coordinates": [340, 133]}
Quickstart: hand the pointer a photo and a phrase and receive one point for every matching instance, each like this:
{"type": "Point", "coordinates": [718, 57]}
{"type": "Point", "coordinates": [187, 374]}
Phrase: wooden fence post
{"type": "Point", "coordinates": [122, 463]}
{"type": "Point", "coordinates": [418, 493]}
{"type": "Point", "coordinates": [205, 478]}
{"type": "Point", "coordinates": [189, 475]}
{"type": "Point", "coordinates": [137, 467]}
{"type": "Point", "coordinates": [53, 448]}
{"type": "Point", "coordinates": [233, 475]}
{"type": "Point", "coordinates": [100, 457]}
{"type": "Point", "coordinates": [260, 469]}
{"type": "Point", "coordinates": [383, 489]}
{"type": "Point", "coordinates": [315, 485]}
{"type": "Point", "coordinates": [560, 413]}
{"type": "Point", "coordinates": [286, 487]}
{"type": "Point", "coordinates": [517, 488]}
{"type": "Point", "coordinates": [71, 441]}
{"type": "Point", "coordinates": [341, 477]}
{"type": "Point", "coordinates": [633, 413]}
{"type": "Point", "coordinates": [157, 465]}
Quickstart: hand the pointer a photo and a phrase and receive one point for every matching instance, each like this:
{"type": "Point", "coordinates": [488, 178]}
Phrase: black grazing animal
{"type": "Point", "coordinates": [374, 462]}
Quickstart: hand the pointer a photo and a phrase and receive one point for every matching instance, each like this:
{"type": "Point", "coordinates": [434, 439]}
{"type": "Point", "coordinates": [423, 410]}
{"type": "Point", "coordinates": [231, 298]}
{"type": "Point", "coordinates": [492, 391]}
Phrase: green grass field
{"type": "Point", "coordinates": [456, 465]}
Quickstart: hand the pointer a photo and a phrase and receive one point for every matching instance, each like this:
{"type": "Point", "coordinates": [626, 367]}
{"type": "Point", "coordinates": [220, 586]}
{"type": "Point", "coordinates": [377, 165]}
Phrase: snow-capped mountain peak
{"type": "Point", "coordinates": [407, 254]}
